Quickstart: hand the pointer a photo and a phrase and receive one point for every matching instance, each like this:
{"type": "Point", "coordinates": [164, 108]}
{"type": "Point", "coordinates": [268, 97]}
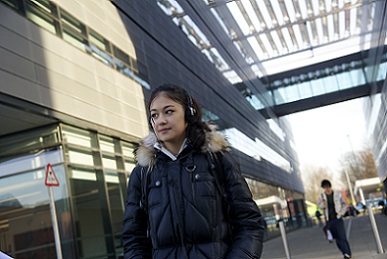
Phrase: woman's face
{"type": "Point", "coordinates": [168, 122]}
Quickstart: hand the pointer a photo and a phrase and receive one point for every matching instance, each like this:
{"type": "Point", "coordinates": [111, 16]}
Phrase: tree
{"type": "Point", "coordinates": [312, 177]}
{"type": "Point", "coordinates": [359, 165]}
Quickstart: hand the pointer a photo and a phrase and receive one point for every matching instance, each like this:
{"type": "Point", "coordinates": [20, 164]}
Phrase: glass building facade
{"type": "Point", "coordinates": [74, 87]}
{"type": "Point", "coordinates": [92, 171]}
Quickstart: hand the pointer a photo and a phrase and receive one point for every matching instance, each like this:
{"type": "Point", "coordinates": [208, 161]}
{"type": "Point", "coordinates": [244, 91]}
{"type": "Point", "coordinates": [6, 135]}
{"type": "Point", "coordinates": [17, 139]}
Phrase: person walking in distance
{"type": "Point", "coordinates": [186, 197]}
{"type": "Point", "coordinates": [334, 206]}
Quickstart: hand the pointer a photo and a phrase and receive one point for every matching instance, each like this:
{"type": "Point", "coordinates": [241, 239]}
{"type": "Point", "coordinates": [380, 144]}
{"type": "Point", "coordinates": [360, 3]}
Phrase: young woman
{"type": "Point", "coordinates": [186, 197]}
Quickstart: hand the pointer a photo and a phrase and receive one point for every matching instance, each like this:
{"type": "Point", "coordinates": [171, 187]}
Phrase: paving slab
{"type": "Point", "coordinates": [307, 243]}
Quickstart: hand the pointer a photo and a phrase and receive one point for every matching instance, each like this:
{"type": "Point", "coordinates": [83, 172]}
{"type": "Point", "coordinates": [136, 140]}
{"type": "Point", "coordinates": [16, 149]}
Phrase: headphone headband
{"type": "Point", "coordinates": [191, 108]}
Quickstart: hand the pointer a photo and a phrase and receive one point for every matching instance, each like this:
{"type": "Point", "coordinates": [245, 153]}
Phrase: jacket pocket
{"type": "Point", "coordinates": [205, 193]}
{"type": "Point", "coordinates": [155, 193]}
{"type": "Point", "coordinates": [204, 185]}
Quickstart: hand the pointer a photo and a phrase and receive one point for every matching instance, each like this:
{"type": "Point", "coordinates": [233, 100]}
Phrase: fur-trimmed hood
{"type": "Point", "coordinates": [145, 154]}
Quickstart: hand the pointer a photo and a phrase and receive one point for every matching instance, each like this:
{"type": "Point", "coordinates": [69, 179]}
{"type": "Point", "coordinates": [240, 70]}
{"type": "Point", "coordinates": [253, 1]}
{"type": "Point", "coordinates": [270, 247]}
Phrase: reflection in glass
{"type": "Point", "coordinates": [305, 89]}
{"type": "Point", "coordinates": [77, 137]}
{"type": "Point", "coordinates": [106, 144]}
{"type": "Point", "coordinates": [88, 217]}
{"type": "Point", "coordinates": [255, 148]}
{"type": "Point", "coordinates": [29, 162]}
{"type": "Point", "coordinates": [41, 18]}
{"type": "Point", "coordinates": [75, 39]}
{"type": "Point", "coordinates": [25, 209]}
{"type": "Point", "coordinates": [292, 93]}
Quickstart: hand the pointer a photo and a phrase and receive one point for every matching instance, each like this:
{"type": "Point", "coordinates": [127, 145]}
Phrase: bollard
{"type": "Point", "coordinates": [375, 230]}
{"type": "Point", "coordinates": [283, 232]}
{"type": "Point", "coordinates": [284, 239]}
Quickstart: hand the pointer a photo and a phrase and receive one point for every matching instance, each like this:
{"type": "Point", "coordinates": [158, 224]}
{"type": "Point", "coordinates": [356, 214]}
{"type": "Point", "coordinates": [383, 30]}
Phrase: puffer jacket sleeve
{"type": "Point", "coordinates": [244, 216]}
{"type": "Point", "coordinates": [135, 241]}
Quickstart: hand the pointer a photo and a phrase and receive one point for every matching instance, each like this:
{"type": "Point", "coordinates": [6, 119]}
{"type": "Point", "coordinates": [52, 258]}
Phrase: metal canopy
{"type": "Point", "coordinates": [249, 40]}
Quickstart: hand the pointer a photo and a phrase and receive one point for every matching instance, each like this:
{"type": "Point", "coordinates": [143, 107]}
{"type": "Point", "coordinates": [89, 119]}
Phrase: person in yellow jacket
{"type": "Point", "coordinates": [334, 207]}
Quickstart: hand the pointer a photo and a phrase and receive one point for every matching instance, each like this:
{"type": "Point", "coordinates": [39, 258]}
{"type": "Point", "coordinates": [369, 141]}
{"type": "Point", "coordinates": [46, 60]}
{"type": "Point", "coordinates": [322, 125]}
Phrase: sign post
{"type": "Point", "coordinates": [50, 181]}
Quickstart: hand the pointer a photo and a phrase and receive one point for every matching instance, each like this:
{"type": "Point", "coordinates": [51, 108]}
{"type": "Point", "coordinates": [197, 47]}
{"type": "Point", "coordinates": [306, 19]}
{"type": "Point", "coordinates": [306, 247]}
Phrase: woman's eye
{"type": "Point", "coordinates": [154, 115]}
{"type": "Point", "coordinates": [169, 112]}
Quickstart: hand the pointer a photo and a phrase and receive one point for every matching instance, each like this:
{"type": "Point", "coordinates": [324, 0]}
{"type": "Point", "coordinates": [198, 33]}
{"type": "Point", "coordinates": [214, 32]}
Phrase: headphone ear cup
{"type": "Point", "coordinates": [150, 121]}
{"type": "Point", "coordinates": [190, 114]}
{"type": "Point", "coordinates": [187, 114]}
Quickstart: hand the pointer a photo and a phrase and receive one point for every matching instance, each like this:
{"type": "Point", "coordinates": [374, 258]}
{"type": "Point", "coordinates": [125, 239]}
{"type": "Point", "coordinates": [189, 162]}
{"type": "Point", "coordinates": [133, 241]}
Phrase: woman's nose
{"type": "Point", "coordinates": [161, 119]}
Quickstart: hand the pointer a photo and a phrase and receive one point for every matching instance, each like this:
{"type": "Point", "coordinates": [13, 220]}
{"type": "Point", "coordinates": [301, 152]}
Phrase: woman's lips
{"type": "Point", "coordinates": [162, 131]}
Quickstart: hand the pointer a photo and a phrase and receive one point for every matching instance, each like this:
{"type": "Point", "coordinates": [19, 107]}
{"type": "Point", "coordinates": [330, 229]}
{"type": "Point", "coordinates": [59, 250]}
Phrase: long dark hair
{"type": "Point", "coordinates": [196, 129]}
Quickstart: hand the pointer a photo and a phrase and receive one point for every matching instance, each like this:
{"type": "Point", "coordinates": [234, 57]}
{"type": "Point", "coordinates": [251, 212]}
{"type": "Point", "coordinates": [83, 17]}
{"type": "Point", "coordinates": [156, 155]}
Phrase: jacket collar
{"type": "Point", "coordinates": [146, 153]}
{"type": "Point", "coordinates": [161, 148]}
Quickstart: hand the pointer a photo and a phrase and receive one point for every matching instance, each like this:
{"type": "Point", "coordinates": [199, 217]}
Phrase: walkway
{"type": "Point", "coordinates": [310, 243]}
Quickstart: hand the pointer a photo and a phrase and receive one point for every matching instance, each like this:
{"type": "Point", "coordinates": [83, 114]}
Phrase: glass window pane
{"type": "Point", "coordinates": [121, 55]}
{"type": "Point", "coordinates": [12, 3]}
{"type": "Point", "coordinates": [82, 158]}
{"type": "Point", "coordinates": [128, 149]}
{"type": "Point", "coordinates": [106, 144]}
{"type": "Point", "coordinates": [318, 87]}
{"type": "Point", "coordinates": [305, 90]}
{"type": "Point", "coordinates": [44, 5]}
{"type": "Point", "coordinates": [111, 177]}
{"type": "Point", "coordinates": [86, 197]}
{"type": "Point", "coordinates": [292, 93]}
{"type": "Point", "coordinates": [255, 102]}
{"type": "Point", "coordinates": [279, 95]}
{"type": "Point", "coordinates": [129, 166]}
{"type": "Point", "coordinates": [109, 162]}
{"type": "Point", "coordinates": [142, 70]}
{"type": "Point", "coordinates": [78, 137]}
{"type": "Point", "coordinates": [133, 65]}
{"type": "Point", "coordinates": [72, 23]}
{"type": "Point", "coordinates": [83, 175]}
{"type": "Point", "coordinates": [99, 41]}
{"type": "Point", "coordinates": [117, 204]}
{"type": "Point", "coordinates": [25, 210]}
{"type": "Point", "coordinates": [100, 48]}
{"type": "Point", "coordinates": [382, 72]}
{"type": "Point", "coordinates": [31, 140]}
{"type": "Point", "coordinates": [41, 18]}
{"type": "Point", "coordinates": [74, 32]}
{"type": "Point", "coordinates": [75, 39]}
{"type": "Point", "coordinates": [357, 76]}
{"type": "Point", "coordinates": [123, 68]}
{"type": "Point", "coordinates": [330, 84]}
{"type": "Point", "coordinates": [101, 56]}
{"type": "Point", "coordinates": [29, 162]}
{"type": "Point", "coordinates": [345, 80]}
{"type": "Point", "coordinates": [255, 148]}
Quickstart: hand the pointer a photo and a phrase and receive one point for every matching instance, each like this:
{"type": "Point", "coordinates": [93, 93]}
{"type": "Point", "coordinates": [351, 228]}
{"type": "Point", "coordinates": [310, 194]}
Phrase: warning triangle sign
{"type": "Point", "coordinates": [51, 179]}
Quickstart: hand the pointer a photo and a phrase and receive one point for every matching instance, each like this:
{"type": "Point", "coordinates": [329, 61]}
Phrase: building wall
{"type": "Point", "coordinates": [171, 57]}
{"type": "Point", "coordinates": [46, 70]}
{"type": "Point", "coordinates": [376, 110]}
{"type": "Point", "coordinates": [39, 67]}
{"type": "Point", "coordinates": [376, 105]}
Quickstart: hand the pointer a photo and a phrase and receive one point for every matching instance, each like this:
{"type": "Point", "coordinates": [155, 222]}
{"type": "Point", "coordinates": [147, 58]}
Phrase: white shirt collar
{"type": "Point", "coordinates": [160, 147]}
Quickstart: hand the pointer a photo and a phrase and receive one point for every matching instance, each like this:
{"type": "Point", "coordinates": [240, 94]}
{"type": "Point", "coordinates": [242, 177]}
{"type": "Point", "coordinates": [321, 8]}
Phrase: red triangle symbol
{"type": "Point", "coordinates": [51, 179]}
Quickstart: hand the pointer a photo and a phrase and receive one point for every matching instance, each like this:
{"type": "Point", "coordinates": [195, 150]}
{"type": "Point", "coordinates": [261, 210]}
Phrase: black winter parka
{"type": "Point", "coordinates": [185, 215]}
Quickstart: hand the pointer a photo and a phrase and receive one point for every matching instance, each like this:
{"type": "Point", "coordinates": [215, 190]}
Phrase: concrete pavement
{"type": "Point", "coordinates": [310, 242]}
